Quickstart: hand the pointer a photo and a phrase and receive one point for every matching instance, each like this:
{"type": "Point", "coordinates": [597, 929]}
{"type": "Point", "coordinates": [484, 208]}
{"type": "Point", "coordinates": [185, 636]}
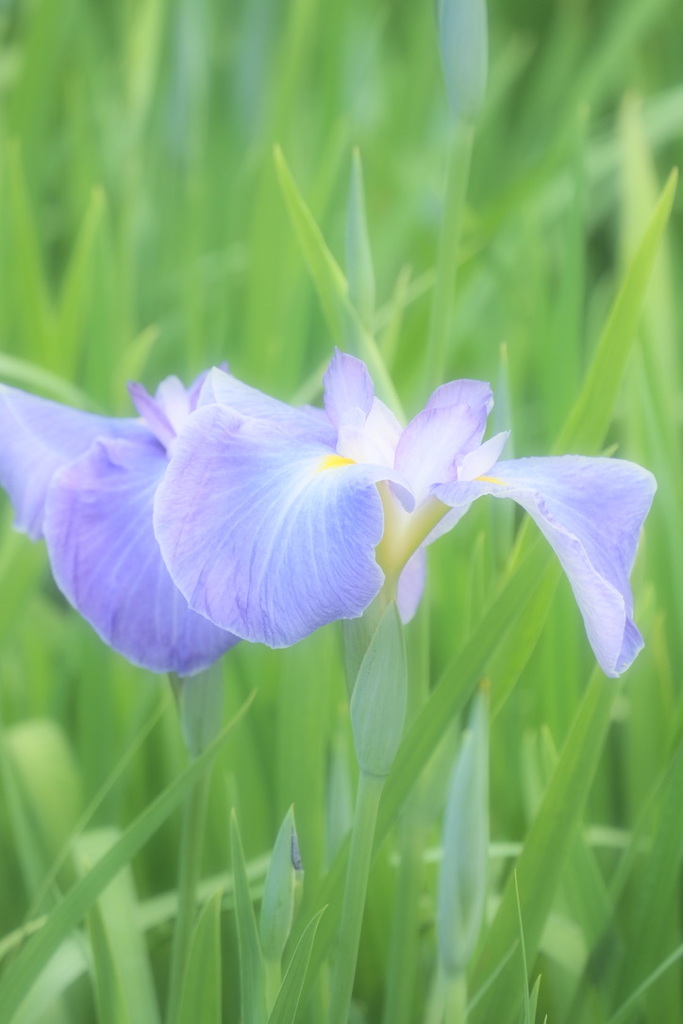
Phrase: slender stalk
{"type": "Point", "coordinates": [273, 980]}
{"type": "Point", "coordinates": [436, 999]}
{"type": "Point", "coordinates": [400, 990]}
{"type": "Point", "coordinates": [402, 968]}
{"type": "Point", "coordinates": [456, 1000]}
{"type": "Point", "coordinates": [358, 871]}
{"type": "Point", "coordinates": [189, 868]}
{"type": "Point", "coordinates": [449, 243]}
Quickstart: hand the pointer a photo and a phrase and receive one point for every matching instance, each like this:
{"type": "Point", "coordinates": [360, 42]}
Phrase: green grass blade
{"type": "Point", "coordinates": [656, 881]}
{"type": "Point", "coordinates": [287, 1001]}
{"type": "Point", "coordinates": [533, 1000]}
{"type": "Point", "coordinates": [117, 915]}
{"type": "Point", "coordinates": [19, 977]}
{"type": "Point", "coordinates": [539, 868]}
{"type": "Point", "coordinates": [110, 997]}
{"type": "Point", "coordinates": [20, 372]}
{"type": "Point", "coordinates": [252, 969]}
{"type": "Point", "coordinates": [629, 1005]}
{"type": "Point", "coordinates": [331, 285]}
{"type": "Point", "coordinates": [201, 998]}
{"type": "Point", "coordinates": [28, 283]}
{"type": "Point", "coordinates": [590, 416]}
{"type": "Point", "coordinates": [76, 288]}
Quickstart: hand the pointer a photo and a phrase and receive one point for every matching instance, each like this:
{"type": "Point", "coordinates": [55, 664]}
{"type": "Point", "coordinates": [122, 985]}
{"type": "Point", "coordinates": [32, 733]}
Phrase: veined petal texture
{"type": "Point", "coordinates": [224, 389]}
{"type": "Point", "coordinates": [106, 561]}
{"type": "Point", "coordinates": [268, 535]}
{"type": "Point", "coordinates": [39, 436]}
{"type": "Point", "coordinates": [349, 390]}
{"type": "Point", "coordinates": [591, 510]}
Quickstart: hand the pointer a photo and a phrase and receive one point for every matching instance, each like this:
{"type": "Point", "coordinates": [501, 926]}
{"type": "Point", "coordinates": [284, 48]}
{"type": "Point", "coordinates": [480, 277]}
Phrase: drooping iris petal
{"type": "Point", "coordinates": [223, 389]}
{"type": "Point", "coordinates": [591, 511]}
{"type": "Point", "coordinates": [39, 436]}
{"type": "Point", "coordinates": [106, 561]}
{"type": "Point", "coordinates": [267, 536]}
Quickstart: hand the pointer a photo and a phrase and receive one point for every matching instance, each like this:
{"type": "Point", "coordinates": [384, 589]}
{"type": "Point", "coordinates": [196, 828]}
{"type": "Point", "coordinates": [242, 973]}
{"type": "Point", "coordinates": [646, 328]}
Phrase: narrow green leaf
{"type": "Point", "coordinates": [517, 644]}
{"type": "Point", "coordinates": [655, 882]}
{"type": "Point", "coordinates": [117, 915]}
{"type": "Point", "coordinates": [201, 998]}
{"type": "Point", "coordinates": [540, 865]}
{"type": "Point", "coordinates": [589, 419]}
{"type": "Point", "coordinates": [287, 1001]}
{"type": "Point", "coordinates": [112, 1007]}
{"type": "Point", "coordinates": [529, 1018]}
{"type": "Point", "coordinates": [533, 1000]}
{"type": "Point", "coordinates": [48, 789]}
{"type": "Point", "coordinates": [30, 288]}
{"type": "Point", "coordinates": [252, 969]}
{"type": "Point", "coordinates": [328, 278]}
{"type": "Point", "coordinates": [359, 269]}
{"type": "Point", "coordinates": [331, 285]}
{"type": "Point", "coordinates": [144, 44]}
{"type": "Point", "coordinates": [629, 1005]}
{"type": "Point", "coordinates": [20, 975]}
{"type": "Point", "coordinates": [27, 375]}
{"type": "Point", "coordinates": [75, 296]}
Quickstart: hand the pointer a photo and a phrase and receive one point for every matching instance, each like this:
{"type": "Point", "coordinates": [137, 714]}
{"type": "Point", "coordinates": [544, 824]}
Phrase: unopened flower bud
{"type": "Point", "coordinates": [279, 893]}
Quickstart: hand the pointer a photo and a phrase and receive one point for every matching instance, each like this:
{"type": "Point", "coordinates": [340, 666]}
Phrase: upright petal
{"type": "Point", "coordinates": [267, 536]}
{"type": "Point", "coordinates": [39, 436]}
{"type": "Point", "coordinates": [591, 511]}
{"type": "Point", "coordinates": [152, 413]}
{"type": "Point", "coordinates": [106, 560]}
{"type": "Point", "coordinates": [349, 390]}
{"type": "Point", "coordinates": [475, 393]}
{"type": "Point", "coordinates": [433, 443]}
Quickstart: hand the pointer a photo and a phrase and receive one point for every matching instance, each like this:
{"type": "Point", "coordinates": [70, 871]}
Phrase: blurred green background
{"type": "Point", "coordinates": [143, 232]}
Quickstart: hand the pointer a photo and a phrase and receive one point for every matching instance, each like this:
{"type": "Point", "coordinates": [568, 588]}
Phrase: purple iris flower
{"type": "Point", "coordinates": [86, 484]}
{"type": "Point", "coordinates": [274, 520]}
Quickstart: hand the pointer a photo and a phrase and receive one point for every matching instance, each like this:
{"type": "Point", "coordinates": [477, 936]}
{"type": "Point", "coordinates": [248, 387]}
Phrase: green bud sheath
{"type": "Point", "coordinates": [378, 703]}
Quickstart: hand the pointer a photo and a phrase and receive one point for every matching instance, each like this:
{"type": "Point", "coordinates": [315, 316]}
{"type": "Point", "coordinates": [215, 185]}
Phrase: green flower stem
{"type": "Point", "coordinates": [449, 243]}
{"type": "Point", "coordinates": [456, 999]}
{"type": "Point", "coordinates": [402, 970]}
{"type": "Point", "coordinates": [358, 871]}
{"type": "Point", "coordinates": [189, 868]}
{"type": "Point", "coordinates": [273, 970]}
{"type": "Point", "coordinates": [400, 991]}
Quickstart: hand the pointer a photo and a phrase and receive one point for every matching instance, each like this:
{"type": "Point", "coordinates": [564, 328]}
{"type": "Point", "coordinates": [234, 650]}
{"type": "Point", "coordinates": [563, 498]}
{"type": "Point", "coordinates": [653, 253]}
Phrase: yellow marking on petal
{"type": "Point", "coordinates": [490, 480]}
{"type": "Point", "coordinates": [333, 462]}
